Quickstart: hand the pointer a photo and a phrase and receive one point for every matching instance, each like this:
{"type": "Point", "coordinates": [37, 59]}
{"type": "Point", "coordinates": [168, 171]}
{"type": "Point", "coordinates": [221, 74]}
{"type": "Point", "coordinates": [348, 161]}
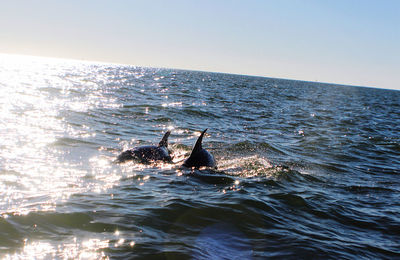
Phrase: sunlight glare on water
{"type": "Point", "coordinates": [88, 249]}
{"type": "Point", "coordinates": [298, 163]}
{"type": "Point", "coordinates": [32, 109]}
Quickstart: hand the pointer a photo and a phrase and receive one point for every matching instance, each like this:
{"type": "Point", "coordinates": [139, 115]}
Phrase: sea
{"type": "Point", "coordinates": [305, 170]}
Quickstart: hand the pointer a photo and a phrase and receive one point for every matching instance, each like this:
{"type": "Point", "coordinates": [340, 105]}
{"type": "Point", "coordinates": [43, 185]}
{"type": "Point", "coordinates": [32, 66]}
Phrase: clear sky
{"type": "Point", "coordinates": [355, 42]}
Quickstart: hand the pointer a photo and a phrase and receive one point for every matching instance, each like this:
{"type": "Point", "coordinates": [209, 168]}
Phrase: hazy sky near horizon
{"type": "Point", "coordinates": [355, 42]}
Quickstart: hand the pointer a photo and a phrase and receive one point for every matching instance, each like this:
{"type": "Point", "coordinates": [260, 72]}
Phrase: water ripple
{"type": "Point", "coordinates": [305, 170]}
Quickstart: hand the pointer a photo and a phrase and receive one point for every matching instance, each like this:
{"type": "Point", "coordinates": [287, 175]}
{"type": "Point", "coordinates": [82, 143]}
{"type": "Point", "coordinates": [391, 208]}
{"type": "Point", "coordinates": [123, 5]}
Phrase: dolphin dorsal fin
{"type": "Point", "coordinates": [164, 140]}
{"type": "Point", "coordinates": [197, 147]}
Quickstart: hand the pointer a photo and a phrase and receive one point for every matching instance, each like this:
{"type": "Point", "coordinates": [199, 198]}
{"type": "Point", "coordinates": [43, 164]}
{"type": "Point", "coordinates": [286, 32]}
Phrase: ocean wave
{"type": "Point", "coordinates": [305, 170]}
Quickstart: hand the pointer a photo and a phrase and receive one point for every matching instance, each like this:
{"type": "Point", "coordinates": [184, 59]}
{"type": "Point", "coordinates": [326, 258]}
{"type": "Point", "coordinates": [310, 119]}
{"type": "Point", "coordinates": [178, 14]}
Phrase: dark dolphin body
{"type": "Point", "coordinates": [149, 153]}
{"type": "Point", "coordinates": [199, 156]}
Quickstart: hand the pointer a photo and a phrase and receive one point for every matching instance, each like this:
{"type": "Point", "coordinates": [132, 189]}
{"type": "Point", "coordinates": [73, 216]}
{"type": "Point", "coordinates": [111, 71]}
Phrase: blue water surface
{"type": "Point", "coordinates": [305, 170]}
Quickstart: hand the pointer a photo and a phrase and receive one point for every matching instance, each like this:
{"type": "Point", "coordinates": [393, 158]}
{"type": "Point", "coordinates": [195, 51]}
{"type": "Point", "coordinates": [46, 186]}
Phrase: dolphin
{"type": "Point", "coordinates": [199, 156]}
{"type": "Point", "coordinates": [149, 153]}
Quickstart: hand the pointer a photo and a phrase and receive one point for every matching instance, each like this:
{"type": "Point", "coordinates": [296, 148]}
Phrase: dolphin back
{"type": "Point", "coordinates": [147, 154]}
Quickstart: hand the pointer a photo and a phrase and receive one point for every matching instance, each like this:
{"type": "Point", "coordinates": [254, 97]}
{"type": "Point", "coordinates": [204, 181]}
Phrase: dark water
{"type": "Point", "coordinates": [305, 170]}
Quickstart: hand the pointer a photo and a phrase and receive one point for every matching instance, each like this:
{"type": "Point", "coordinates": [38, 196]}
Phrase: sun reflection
{"type": "Point", "coordinates": [42, 161]}
{"type": "Point", "coordinates": [35, 96]}
{"type": "Point", "coordinates": [119, 242]}
{"type": "Point", "coordinates": [172, 104]}
{"type": "Point", "coordinates": [38, 250]}
{"type": "Point", "coordinates": [89, 249]}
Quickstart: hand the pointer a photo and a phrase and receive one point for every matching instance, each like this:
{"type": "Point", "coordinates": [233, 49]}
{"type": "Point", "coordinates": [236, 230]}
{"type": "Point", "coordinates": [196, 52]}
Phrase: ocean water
{"type": "Point", "coordinates": [305, 170]}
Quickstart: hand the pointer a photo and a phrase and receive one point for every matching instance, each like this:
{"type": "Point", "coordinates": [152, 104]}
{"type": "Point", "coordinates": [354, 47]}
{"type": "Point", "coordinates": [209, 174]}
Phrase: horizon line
{"type": "Point", "coordinates": [187, 69]}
